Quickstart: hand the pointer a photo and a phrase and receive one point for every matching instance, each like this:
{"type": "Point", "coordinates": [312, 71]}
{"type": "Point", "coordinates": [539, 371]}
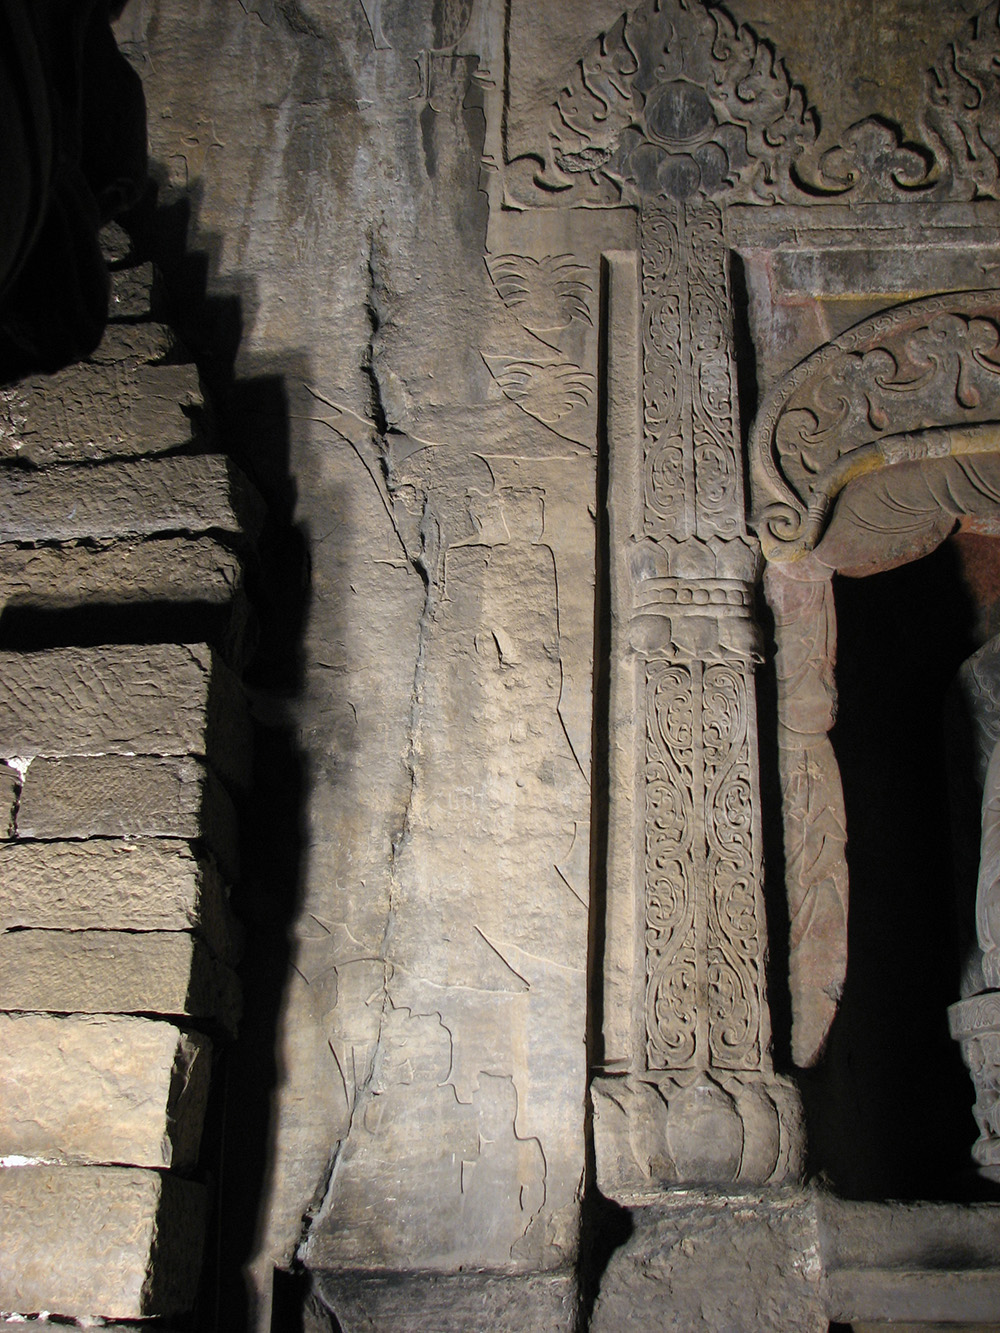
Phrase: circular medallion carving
{"type": "Point", "coordinates": [678, 114]}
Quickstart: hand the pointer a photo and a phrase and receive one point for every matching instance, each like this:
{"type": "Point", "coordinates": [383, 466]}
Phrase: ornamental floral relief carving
{"type": "Point", "coordinates": [702, 931]}
{"type": "Point", "coordinates": [676, 100]}
{"type": "Point", "coordinates": [871, 399]}
{"type": "Point", "coordinates": [671, 867]}
{"type": "Point", "coordinates": [692, 471]}
{"type": "Point", "coordinates": [734, 941]}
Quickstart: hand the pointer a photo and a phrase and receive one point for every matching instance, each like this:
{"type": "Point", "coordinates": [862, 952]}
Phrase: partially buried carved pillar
{"type": "Point", "coordinates": [687, 1093]}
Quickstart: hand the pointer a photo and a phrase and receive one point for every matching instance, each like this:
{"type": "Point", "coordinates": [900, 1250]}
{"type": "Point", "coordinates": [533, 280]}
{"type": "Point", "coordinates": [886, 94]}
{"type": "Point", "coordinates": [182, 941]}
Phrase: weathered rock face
{"type": "Point", "coordinates": [443, 453]}
{"type": "Point", "coordinates": [523, 272]}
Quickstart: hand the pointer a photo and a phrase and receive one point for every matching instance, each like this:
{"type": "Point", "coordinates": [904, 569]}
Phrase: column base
{"type": "Point", "coordinates": [975, 1025]}
{"type": "Point", "coordinates": [717, 1262]}
{"type": "Point", "coordinates": [661, 1131]}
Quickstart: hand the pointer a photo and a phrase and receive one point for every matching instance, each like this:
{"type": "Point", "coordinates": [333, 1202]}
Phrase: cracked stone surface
{"type": "Point", "coordinates": [437, 994]}
{"type": "Point", "coordinates": [440, 361]}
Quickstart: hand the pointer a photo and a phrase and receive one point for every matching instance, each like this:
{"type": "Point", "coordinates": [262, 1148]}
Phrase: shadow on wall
{"type": "Point", "coordinates": [252, 419]}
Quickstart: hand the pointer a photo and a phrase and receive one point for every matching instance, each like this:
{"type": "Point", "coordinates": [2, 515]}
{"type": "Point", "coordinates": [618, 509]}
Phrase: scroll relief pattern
{"type": "Point", "coordinates": [678, 100]}
{"type": "Point", "coordinates": [703, 938]}
{"type": "Point", "coordinates": [691, 470]}
{"type": "Point", "coordinates": [696, 739]}
{"type": "Point", "coordinates": [875, 397]}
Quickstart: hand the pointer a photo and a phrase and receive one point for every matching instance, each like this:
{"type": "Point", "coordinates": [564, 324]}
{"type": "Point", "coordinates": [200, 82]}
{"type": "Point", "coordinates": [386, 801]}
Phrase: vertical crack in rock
{"type": "Point", "coordinates": [375, 303]}
{"type": "Point", "coordinates": [321, 1202]}
{"type": "Point", "coordinates": [422, 562]}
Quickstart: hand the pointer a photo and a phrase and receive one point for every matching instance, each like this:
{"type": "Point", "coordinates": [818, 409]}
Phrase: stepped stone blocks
{"type": "Point", "coordinates": [109, 1089]}
{"type": "Point", "coordinates": [114, 883]}
{"type": "Point", "coordinates": [132, 292]}
{"type": "Point", "coordinates": [118, 835]}
{"type": "Point", "coordinates": [86, 1240]}
{"type": "Point", "coordinates": [116, 972]}
{"type": "Point", "coordinates": [123, 699]}
{"type": "Point", "coordinates": [193, 494]}
{"type": "Point", "coordinates": [99, 411]}
{"type": "Point", "coordinates": [128, 796]}
{"type": "Point", "coordinates": [167, 570]}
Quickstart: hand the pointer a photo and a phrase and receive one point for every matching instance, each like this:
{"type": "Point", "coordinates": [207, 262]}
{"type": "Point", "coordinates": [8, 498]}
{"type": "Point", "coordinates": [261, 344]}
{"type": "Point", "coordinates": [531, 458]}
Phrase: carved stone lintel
{"type": "Point", "coordinates": [869, 401]}
{"type": "Point", "coordinates": [693, 1128]}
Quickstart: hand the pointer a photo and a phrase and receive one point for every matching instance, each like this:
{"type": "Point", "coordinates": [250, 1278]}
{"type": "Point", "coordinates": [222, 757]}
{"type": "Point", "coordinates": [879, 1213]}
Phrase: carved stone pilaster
{"type": "Point", "coordinates": [687, 1093]}
{"type": "Point", "coordinates": [975, 1025]}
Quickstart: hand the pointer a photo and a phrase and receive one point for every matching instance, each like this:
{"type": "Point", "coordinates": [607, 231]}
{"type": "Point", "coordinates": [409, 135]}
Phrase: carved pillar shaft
{"type": "Point", "coordinates": [687, 1093]}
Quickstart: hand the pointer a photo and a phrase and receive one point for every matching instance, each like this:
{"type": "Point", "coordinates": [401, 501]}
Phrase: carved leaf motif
{"type": "Point", "coordinates": [677, 100]}
{"type": "Point", "coordinates": [671, 994]}
{"type": "Point", "coordinates": [544, 294]}
{"type": "Point", "coordinates": [871, 163]}
{"type": "Point", "coordinates": [548, 390]}
{"type": "Point", "coordinates": [926, 364]}
{"type": "Point", "coordinates": [733, 972]}
{"type": "Point", "coordinates": [962, 111]}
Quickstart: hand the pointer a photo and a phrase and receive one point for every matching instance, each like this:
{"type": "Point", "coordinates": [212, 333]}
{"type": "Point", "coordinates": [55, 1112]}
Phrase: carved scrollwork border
{"type": "Point", "coordinates": [897, 397]}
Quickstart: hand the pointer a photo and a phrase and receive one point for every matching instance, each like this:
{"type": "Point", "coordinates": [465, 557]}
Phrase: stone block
{"type": "Point", "coordinates": [116, 243]}
{"type": "Point", "coordinates": [108, 884]}
{"type": "Point", "coordinates": [108, 1089]}
{"type": "Point", "coordinates": [193, 494]}
{"type": "Point", "coordinates": [131, 292]}
{"type": "Point", "coordinates": [10, 782]}
{"type": "Point", "coordinates": [137, 344]}
{"type": "Point", "coordinates": [117, 1242]}
{"type": "Point", "coordinates": [707, 1261]}
{"type": "Point", "coordinates": [145, 699]}
{"type": "Point", "coordinates": [167, 973]}
{"type": "Point", "coordinates": [93, 411]}
{"type": "Point", "coordinates": [450, 1303]}
{"type": "Point", "coordinates": [47, 1325]}
{"type": "Point", "coordinates": [128, 796]}
{"type": "Point", "coordinates": [168, 588]}
{"type": "Point", "coordinates": [172, 569]}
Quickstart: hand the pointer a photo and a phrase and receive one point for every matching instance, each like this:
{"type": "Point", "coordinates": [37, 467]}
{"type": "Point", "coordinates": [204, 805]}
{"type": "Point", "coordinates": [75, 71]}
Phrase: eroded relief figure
{"type": "Point", "coordinates": [975, 1020]}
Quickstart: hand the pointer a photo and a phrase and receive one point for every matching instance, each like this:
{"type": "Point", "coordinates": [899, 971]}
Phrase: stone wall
{"type": "Point", "coordinates": [546, 329]}
{"type": "Point", "coordinates": [119, 836]}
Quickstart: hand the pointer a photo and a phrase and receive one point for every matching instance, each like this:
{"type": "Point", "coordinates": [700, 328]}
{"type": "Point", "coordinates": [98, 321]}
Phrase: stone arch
{"type": "Point", "coordinates": [865, 457]}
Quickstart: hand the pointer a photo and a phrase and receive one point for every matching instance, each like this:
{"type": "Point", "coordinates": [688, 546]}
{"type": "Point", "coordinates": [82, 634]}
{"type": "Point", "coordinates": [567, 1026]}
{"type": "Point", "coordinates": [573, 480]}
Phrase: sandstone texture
{"type": "Point", "coordinates": [707, 1263]}
{"type": "Point", "coordinates": [117, 1240]}
{"type": "Point", "coordinates": [566, 320]}
{"type": "Point", "coordinates": [157, 699]}
{"type": "Point", "coordinates": [109, 1089]}
{"type": "Point", "coordinates": [107, 883]}
{"type": "Point", "coordinates": [92, 411]}
{"type": "Point", "coordinates": [132, 292]}
{"type": "Point", "coordinates": [10, 784]}
{"type": "Point", "coordinates": [127, 796]}
{"type": "Point", "coordinates": [144, 498]}
{"type": "Point", "coordinates": [116, 972]}
{"type": "Point", "coordinates": [136, 344]}
{"type": "Point", "coordinates": [451, 1304]}
{"type": "Point", "coordinates": [167, 570]}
